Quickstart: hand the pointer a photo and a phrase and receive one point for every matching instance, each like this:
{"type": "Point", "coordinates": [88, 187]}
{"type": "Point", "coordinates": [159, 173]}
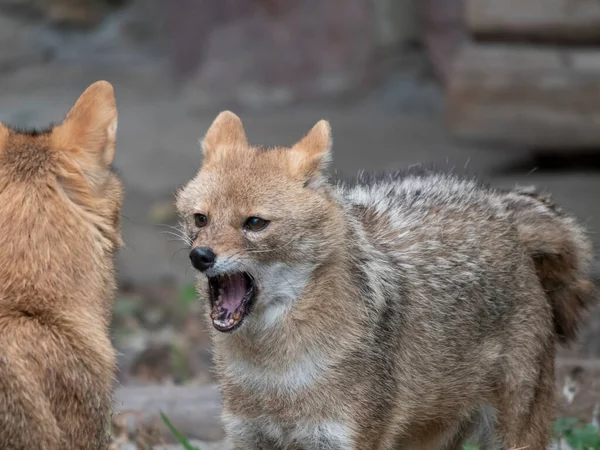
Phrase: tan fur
{"type": "Point", "coordinates": [562, 255]}
{"type": "Point", "coordinates": [410, 311]}
{"type": "Point", "coordinates": [59, 215]}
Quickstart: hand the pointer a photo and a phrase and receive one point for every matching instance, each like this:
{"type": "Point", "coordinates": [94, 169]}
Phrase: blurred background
{"type": "Point", "coordinates": [505, 89]}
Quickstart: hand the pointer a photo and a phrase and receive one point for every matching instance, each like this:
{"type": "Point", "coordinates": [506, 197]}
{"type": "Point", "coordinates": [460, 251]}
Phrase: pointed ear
{"type": "Point", "coordinates": [3, 135]}
{"type": "Point", "coordinates": [312, 154]}
{"type": "Point", "coordinates": [89, 131]}
{"type": "Point", "coordinates": [225, 133]}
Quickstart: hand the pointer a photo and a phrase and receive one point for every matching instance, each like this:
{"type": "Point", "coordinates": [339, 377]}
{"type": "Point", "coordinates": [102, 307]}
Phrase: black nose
{"type": "Point", "coordinates": [203, 258]}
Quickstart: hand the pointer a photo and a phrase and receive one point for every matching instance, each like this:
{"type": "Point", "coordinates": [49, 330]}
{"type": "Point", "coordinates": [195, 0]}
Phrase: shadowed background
{"type": "Point", "coordinates": [506, 89]}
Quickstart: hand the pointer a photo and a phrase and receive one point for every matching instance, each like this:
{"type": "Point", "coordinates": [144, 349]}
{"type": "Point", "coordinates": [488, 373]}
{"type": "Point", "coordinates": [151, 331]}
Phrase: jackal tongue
{"type": "Point", "coordinates": [234, 290]}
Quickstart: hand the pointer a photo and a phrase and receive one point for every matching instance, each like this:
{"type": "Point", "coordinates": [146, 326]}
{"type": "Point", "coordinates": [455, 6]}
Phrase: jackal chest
{"type": "Point", "coordinates": [268, 432]}
{"type": "Point", "coordinates": [295, 408]}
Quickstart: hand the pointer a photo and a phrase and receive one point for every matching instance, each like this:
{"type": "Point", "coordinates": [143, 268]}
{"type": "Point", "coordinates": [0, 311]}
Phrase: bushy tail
{"type": "Point", "coordinates": [562, 254]}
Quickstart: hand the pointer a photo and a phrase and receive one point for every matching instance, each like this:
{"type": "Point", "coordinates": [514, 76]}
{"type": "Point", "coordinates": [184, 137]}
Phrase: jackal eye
{"type": "Point", "coordinates": [255, 224]}
{"type": "Point", "coordinates": [200, 220]}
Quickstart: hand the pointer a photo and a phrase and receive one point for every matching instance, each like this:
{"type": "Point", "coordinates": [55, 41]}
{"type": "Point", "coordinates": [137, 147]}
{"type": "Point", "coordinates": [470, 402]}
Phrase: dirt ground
{"type": "Point", "coordinates": [157, 327]}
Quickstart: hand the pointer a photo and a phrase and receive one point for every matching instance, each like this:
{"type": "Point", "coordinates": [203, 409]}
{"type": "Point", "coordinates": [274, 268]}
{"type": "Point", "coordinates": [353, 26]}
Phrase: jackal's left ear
{"type": "Point", "coordinates": [312, 154]}
{"type": "Point", "coordinates": [89, 132]}
{"type": "Point", "coordinates": [225, 134]}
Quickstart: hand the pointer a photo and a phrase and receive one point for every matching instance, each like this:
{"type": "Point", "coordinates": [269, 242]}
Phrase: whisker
{"type": "Point", "coordinates": [177, 252]}
{"type": "Point", "coordinates": [175, 240]}
{"type": "Point", "coordinates": [178, 231]}
{"type": "Point", "coordinates": [177, 228]}
{"type": "Point", "coordinates": [180, 236]}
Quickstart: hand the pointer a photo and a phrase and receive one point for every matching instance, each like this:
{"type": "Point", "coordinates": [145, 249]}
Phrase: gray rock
{"type": "Point", "coordinates": [19, 47]}
{"type": "Point", "coordinates": [397, 22]}
{"type": "Point", "coordinates": [194, 411]}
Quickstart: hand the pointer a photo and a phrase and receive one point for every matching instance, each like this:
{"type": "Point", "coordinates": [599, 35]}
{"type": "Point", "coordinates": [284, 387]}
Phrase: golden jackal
{"type": "Point", "coordinates": [59, 229]}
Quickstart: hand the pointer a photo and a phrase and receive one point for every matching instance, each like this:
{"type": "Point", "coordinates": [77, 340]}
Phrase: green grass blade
{"type": "Point", "coordinates": [180, 437]}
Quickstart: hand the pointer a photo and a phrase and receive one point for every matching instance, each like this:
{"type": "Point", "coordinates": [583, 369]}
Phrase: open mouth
{"type": "Point", "coordinates": [231, 298]}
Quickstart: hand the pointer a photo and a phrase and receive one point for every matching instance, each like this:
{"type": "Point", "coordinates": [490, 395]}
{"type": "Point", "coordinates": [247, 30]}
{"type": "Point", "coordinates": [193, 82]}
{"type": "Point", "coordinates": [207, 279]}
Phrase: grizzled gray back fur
{"type": "Point", "coordinates": [557, 245]}
{"type": "Point", "coordinates": [467, 290]}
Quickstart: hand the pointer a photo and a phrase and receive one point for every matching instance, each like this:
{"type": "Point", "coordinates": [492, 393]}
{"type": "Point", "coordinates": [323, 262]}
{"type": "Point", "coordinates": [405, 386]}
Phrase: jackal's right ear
{"type": "Point", "coordinates": [89, 132]}
{"type": "Point", "coordinates": [226, 133]}
{"type": "Point", "coordinates": [311, 156]}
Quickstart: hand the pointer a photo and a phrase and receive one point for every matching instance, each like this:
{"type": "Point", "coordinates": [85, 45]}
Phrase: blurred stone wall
{"type": "Point", "coordinates": [397, 22]}
{"type": "Point", "coordinates": [444, 33]}
{"type": "Point", "coordinates": [264, 52]}
{"type": "Point", "coordinates": [67, 13]}
{"type": "Point", "coordinates": [255, 52]}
